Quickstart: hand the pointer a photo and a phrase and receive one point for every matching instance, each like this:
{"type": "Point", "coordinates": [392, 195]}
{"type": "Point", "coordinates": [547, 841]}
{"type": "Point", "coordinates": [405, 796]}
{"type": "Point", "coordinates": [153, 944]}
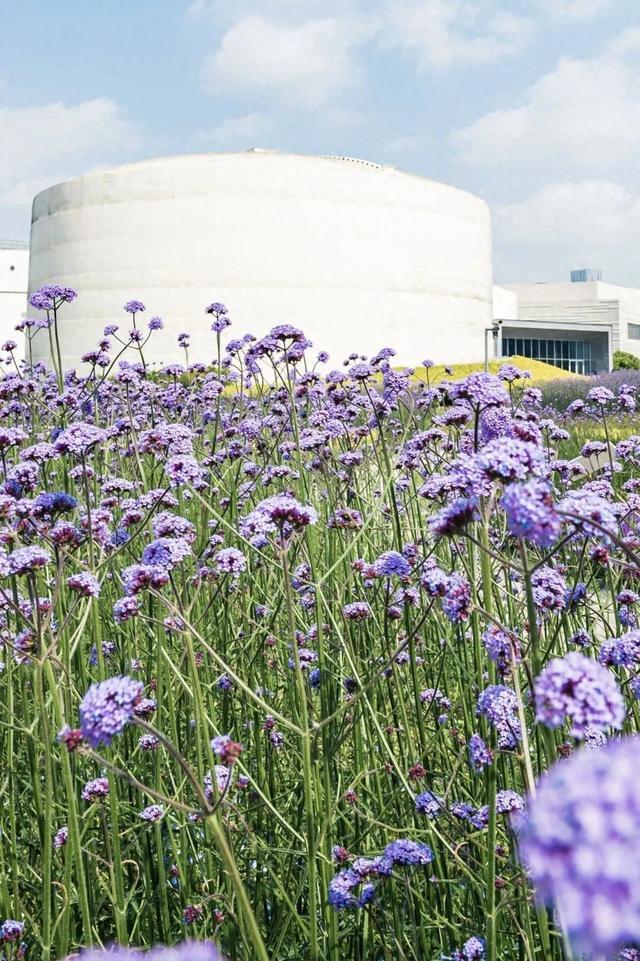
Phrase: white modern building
{"type": "Point", "coordinates": [14, 272]}
{"type": "Point", "coordinates": [358, 255]}
{"type": "Point", "coordinates": [577, 325]}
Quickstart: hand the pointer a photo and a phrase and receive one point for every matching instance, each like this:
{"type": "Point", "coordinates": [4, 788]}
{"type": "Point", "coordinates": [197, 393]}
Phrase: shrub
{"type": "Point", "coordinates": [623, 360]}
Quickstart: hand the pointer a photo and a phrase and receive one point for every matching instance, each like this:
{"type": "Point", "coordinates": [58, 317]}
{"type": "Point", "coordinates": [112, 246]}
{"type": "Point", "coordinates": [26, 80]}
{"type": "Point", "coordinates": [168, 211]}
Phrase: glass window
{"type": "Point", "coordinates": [534, 348]}
{"type": "Point", "coordinates": [572, 349]}
{"type": "Point", "coordinates": [565, 349]}
{"type": "Point", "coordinates": [633, 331]}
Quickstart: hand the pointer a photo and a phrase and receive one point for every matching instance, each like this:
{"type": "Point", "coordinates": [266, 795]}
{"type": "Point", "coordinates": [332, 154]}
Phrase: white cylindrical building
{"type": "Point", "coordinates": [360, 256]}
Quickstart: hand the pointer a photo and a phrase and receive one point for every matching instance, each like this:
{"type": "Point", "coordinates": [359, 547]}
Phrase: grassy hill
{"type": "Point", "coordinates": [540, 372]}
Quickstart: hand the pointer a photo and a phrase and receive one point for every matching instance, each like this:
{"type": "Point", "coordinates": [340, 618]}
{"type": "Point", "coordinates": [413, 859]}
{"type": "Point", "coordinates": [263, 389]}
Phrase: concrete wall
{"type": "Point", "coordinates": [505, 304]}
{"type": "Point", "coordinates": [360, 256]}
{"type": "Point", "coordinates": [628, 301]}
{"type": "Point", "coordinates": [14, 269]}
{"type": "Point", "coordinates": [593, 303]}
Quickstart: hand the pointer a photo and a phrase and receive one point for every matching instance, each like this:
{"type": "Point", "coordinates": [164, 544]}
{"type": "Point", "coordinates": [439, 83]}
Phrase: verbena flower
{"type": "Point", "coordinates": [95, 790]}
{"type": "Point", "coordinates": [390, 564]}
{"type": "Point", "coordinates": [480, 754]}
{"type": "Point", "coordinates": [84, 583]}
{"type": "Point", "coordinates": [530, 512]}
{"type": "Point", "coordinates": [152, 814]}
{"type": "Point", "coordinates": [621, 651]}
{"type": "Point", "coordinates": [61, 837]}
{"type": "Point", "coordinates": [581, 844]}
{"type": "Point", "coordinates": [11, 930]}
{"type": "Point", "coordinates": [577, 688]}
{"type": "Point", "coordinates": [549, 589]}
{"type": "Point", "coordinates": [499, 705]}
{"type": "Point", "coordinates": [107, 708]}
{"type": "Point", "coordinates": [429, 804]}
{"type": "Point", "coordinates": [27, 559]}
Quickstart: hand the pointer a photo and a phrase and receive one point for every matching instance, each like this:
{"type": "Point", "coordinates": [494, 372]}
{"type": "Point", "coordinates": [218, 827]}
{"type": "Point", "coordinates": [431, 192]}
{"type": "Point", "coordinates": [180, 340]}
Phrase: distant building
{"type": "Point", "coordinates": [577, 326]}
{"type": "Point", "coordinates": [14, 276]}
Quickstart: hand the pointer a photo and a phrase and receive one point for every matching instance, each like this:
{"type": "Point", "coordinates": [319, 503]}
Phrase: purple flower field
{"type": "Point", "coordinates": [306, 659]}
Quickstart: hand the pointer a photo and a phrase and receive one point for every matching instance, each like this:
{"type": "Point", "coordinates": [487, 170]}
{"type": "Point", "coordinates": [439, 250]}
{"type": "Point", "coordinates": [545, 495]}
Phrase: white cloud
{"type": "Point", "coordinates": [239, 132]}
{"type": "Point", "coordinates": [575, 9]}
{"type": "Point", "coordinates": [42, 145]}
{"type": "Point", "coordinates": [582, 118]}
{"type": "Point", "coordinates": [303, 64]}
{"type": "Point", "coordinates": [304, 52]}
{"type": "Point", "coordinates": [585, 211]}
{"type": "Point", "coordinates": [569, 224]}
{"type": "Point", "coordinates": [446, 33]}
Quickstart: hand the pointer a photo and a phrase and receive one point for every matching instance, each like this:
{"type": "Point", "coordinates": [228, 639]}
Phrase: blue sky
{"type": "Point", "coordinates": [533, 104]}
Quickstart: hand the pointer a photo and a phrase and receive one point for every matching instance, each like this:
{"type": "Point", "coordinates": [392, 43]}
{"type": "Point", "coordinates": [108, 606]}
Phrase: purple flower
{"type": "Point", "coordinates": [148, 742]}
{"type": "Point", "coordinates": [453, 518]}
{"type": "Point", "coordinates": [408, 853]}
{"type": "Point", "coordinates": [11, 930]}
{"type": "Point", "coordinates": [125, 608]}
{"type": "Point", "coordinates": [480, 754]}
{"type": "Point", "coordinates": [581, 844]}
{"type": "Point", "coordinates": [61, 837]}
{"type": "Point", "coordinates": [480, 390]}
{"type": "Point", "coordinates": [134, 307]}
{"type": "Point", "coordinates": [96, 790]}
{"type": "Point", "coordinates": [621, 651]}
{"type": "Point", "coordinates": [590, 507]}
{"type": "Point", "coordinates": [340, 894]}
{"type": "Point", "coordinates": [166, 552]}
{"type": "Point", "coordinates": [140, 577]}
{"type": "Point", "coordinates": [84, 583]}
{"type": "Point", "coordinates": [217, 310]}
{"type": "Point", "coordinates": [27, 559]}
{"type": "Point", "coordinates": [429, 804]}
{"type": "Point", "coordinates": [51, 295]}
{"type": "Point", "coordinates": [279, 513]}
{"type": "Point", "coordinates": [79, 438]}
{"type": "Point", "coordinates": [501, 646]}
{"type": "Point", "coordinates": [391, 564]}
{"type": "Point", "coordinates": [230, 561]}
{"type": "Point", "coordinates": [580, 689]}
{"type": "Point", "coordinates": [475, 948]}
{"type": "Point", "coordinates": [530, 512]}
{"type": "Point", "coordinates": [499, 705]}
{"type": "Point", "coordinates": [456, 603]}
{"type": "Point", "coordinates": [356, 611]}
{"type": "Point", "coordinates": [600, 395]}
{"type": "Point", "coordinates": [507, 459]}
{"type": "Point", "coordinates": [107, 708]}
{"type": "Point", "coordinates": [152, 814]}
{"type": "Point", "coordinates": [549, 589]}
{"type": "Point", "coordinates": [183, 469]}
